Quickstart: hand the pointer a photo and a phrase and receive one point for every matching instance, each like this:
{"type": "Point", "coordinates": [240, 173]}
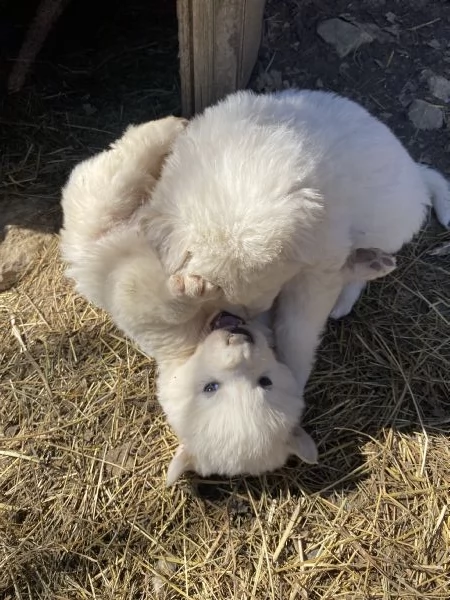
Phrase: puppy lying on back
{"type": "Point", "coordinates": [234, 406]}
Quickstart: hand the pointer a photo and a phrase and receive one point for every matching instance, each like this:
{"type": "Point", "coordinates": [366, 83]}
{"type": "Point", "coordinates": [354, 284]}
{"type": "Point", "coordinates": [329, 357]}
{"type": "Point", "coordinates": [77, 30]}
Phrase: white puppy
{"type": "Point", "coordinates": [235, 408]}
{"type": "Point", "coordinates": [233, 405]}
{"type": "Point", "coordinates": [270, 192]}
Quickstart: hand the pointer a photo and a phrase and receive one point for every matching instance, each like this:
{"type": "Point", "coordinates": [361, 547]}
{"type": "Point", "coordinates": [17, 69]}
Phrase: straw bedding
{"type": "Point", "coordinates": [84, 513]}
{"type": "Point", "coordinates": [84, 447]}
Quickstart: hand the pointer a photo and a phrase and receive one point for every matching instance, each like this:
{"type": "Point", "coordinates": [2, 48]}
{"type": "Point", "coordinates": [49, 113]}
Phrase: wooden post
{"type": "Point", "coordinates": [219, 42]}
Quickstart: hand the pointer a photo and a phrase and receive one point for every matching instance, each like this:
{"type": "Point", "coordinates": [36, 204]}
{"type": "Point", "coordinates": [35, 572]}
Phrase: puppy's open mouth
{"type": "Point", "coordinates": [225, 320]}
{"type": "Point", "coordinates": [231, 323]}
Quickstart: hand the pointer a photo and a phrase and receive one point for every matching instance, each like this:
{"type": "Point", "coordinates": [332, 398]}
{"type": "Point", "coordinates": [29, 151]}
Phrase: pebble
{"type": "Point", "coordinates": [435, 44]}
{"type": "Point", "coordinates": [439, 87]}
{"type": "Point", "coordinates": [425, 115]}
{"type": "Point", "coordinates": [344, 36]}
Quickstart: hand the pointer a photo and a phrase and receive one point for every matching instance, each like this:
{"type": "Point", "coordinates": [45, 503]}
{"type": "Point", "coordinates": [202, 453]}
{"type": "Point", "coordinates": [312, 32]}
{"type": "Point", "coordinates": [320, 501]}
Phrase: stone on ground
{"type": "Point", "coordinates": [425, 115]}
{"type": "Point", "coordinates": [344, 36]}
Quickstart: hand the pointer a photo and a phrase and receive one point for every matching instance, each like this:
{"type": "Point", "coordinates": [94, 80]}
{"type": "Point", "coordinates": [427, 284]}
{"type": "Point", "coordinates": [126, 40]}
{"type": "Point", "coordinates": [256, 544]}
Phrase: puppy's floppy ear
{"type": "Point", "coordinates": [302, 445]}
{"type": "Point", "coordinates": [180, 463]}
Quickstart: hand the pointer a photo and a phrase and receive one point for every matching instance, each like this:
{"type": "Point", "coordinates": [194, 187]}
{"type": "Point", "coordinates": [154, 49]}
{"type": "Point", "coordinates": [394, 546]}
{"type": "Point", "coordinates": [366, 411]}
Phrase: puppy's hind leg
{"type": "Point", "coordinates": [363, 264]}
{"type": "Point", "coordinates": [347, 299]}
{"type": "Point", "coordinates": [439, 190]}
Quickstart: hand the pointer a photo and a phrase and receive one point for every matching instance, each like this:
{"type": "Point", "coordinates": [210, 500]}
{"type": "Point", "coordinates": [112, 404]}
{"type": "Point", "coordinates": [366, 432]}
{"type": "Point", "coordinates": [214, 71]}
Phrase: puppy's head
{"type": "Point", "coordinates": [234, 407]}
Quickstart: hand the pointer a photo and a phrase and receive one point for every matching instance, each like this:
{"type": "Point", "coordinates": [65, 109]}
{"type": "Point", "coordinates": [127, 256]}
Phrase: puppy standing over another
{"type": "Point", "coordinates": [235, 408]}
{"type": "Point", "coordinates": [209, 361]}
{"type": "Point", "coordinates": [273, 192]}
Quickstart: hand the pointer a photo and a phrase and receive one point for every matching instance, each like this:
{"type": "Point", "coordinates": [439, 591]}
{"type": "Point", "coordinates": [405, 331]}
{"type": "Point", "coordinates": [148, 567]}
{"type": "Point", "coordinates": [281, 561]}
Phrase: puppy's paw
{"type": "Point", "coordinates": [193, 286]}
{"type": "Point", "coordinates": [365, 264]}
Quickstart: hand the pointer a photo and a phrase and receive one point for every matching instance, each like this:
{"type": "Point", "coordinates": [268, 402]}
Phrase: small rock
{"type": "Point", "coordinates": [344, 36]}
{"type": "Point", "coordinates": [376, 32]}
{"type": "Point", "coordinates": [439, 87]}
{"type": "Point", "coordinates": [425, 115]}
{"type": "Point", "coordinates": [390, 17]}
{"type": "Point", "coordinates": [435, 44]}
{"type": "Point", "coordinates": [373, 30]}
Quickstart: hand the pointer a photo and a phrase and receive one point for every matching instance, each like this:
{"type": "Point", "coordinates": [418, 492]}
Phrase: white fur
{"type": "Point", "coordinates": [272, 192]}
{"type": "Point", "coordinates": [242, 428]}
{"type": "Point", "coordinates": [347, 298]}
{"type": "Point", "coordinates": [261, 196]}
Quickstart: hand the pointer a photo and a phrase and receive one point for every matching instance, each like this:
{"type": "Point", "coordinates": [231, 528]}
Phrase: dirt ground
{"type": "Point", "coordinates": [83, 445]}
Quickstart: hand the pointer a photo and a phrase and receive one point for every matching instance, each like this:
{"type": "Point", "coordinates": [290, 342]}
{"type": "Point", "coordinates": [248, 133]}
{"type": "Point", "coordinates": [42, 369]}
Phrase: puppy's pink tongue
{"type": "Point", "coordinates": [225, 319]}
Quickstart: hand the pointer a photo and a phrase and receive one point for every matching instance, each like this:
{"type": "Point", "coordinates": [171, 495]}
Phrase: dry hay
{"type": "Point", "coordinates": [84, 513]}
{"type": "Point", "coordinates": [84, 448]}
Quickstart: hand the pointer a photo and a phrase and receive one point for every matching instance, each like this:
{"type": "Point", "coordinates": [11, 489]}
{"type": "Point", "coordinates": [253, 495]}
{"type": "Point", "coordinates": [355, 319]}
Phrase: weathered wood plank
{"type": "Point", "coordinates": [219, 42]}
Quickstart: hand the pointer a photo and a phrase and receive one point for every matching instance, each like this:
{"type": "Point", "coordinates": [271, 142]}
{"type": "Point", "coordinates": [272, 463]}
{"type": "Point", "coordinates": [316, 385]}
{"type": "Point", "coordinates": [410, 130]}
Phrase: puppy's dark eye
{"type": "Point", "coordinates": [265, 382]}
{"type": "Point", "coordinates": [211, 387]}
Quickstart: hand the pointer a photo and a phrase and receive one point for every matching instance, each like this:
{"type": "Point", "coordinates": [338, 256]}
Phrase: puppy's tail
{"type": "Point", "coordinates": [439, 190]}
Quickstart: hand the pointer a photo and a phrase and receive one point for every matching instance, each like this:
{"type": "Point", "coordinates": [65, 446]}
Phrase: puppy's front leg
{"type": "Point", "coordinates": [363, 264]}
{"type": "Point", "coordinates": [302, 310]}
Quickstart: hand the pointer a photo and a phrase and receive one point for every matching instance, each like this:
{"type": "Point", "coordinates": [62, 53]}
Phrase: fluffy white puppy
{"type": "Point", "coordinates": [273, 192]}
{"type": "Point", "coordinates": [235, 408]}
{"type": "Point", "coordinates": [233, 405]}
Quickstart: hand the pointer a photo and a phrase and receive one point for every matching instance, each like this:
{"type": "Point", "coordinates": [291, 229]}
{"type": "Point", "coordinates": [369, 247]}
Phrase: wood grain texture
{"type": "Point", "coordinates": [219, 42]}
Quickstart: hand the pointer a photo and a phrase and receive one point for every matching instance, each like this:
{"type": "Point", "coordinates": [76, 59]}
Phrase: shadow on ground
{"type": "Point", "coordinates": [104, 65]}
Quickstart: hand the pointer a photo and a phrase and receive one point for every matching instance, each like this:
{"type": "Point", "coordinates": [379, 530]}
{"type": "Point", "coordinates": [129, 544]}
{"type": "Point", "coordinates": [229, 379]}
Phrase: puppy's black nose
{"type": "Point", "coordinates": [239, 335]}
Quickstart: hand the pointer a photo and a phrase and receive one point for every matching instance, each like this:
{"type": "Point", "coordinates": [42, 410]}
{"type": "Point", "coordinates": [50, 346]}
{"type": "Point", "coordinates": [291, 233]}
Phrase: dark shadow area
{"type": "Point", "coordinates": [104, 65]}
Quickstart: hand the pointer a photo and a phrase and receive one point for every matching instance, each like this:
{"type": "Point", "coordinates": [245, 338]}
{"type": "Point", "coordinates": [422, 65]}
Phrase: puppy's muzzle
{"type": "Point", "coordinates": [239, 335]}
